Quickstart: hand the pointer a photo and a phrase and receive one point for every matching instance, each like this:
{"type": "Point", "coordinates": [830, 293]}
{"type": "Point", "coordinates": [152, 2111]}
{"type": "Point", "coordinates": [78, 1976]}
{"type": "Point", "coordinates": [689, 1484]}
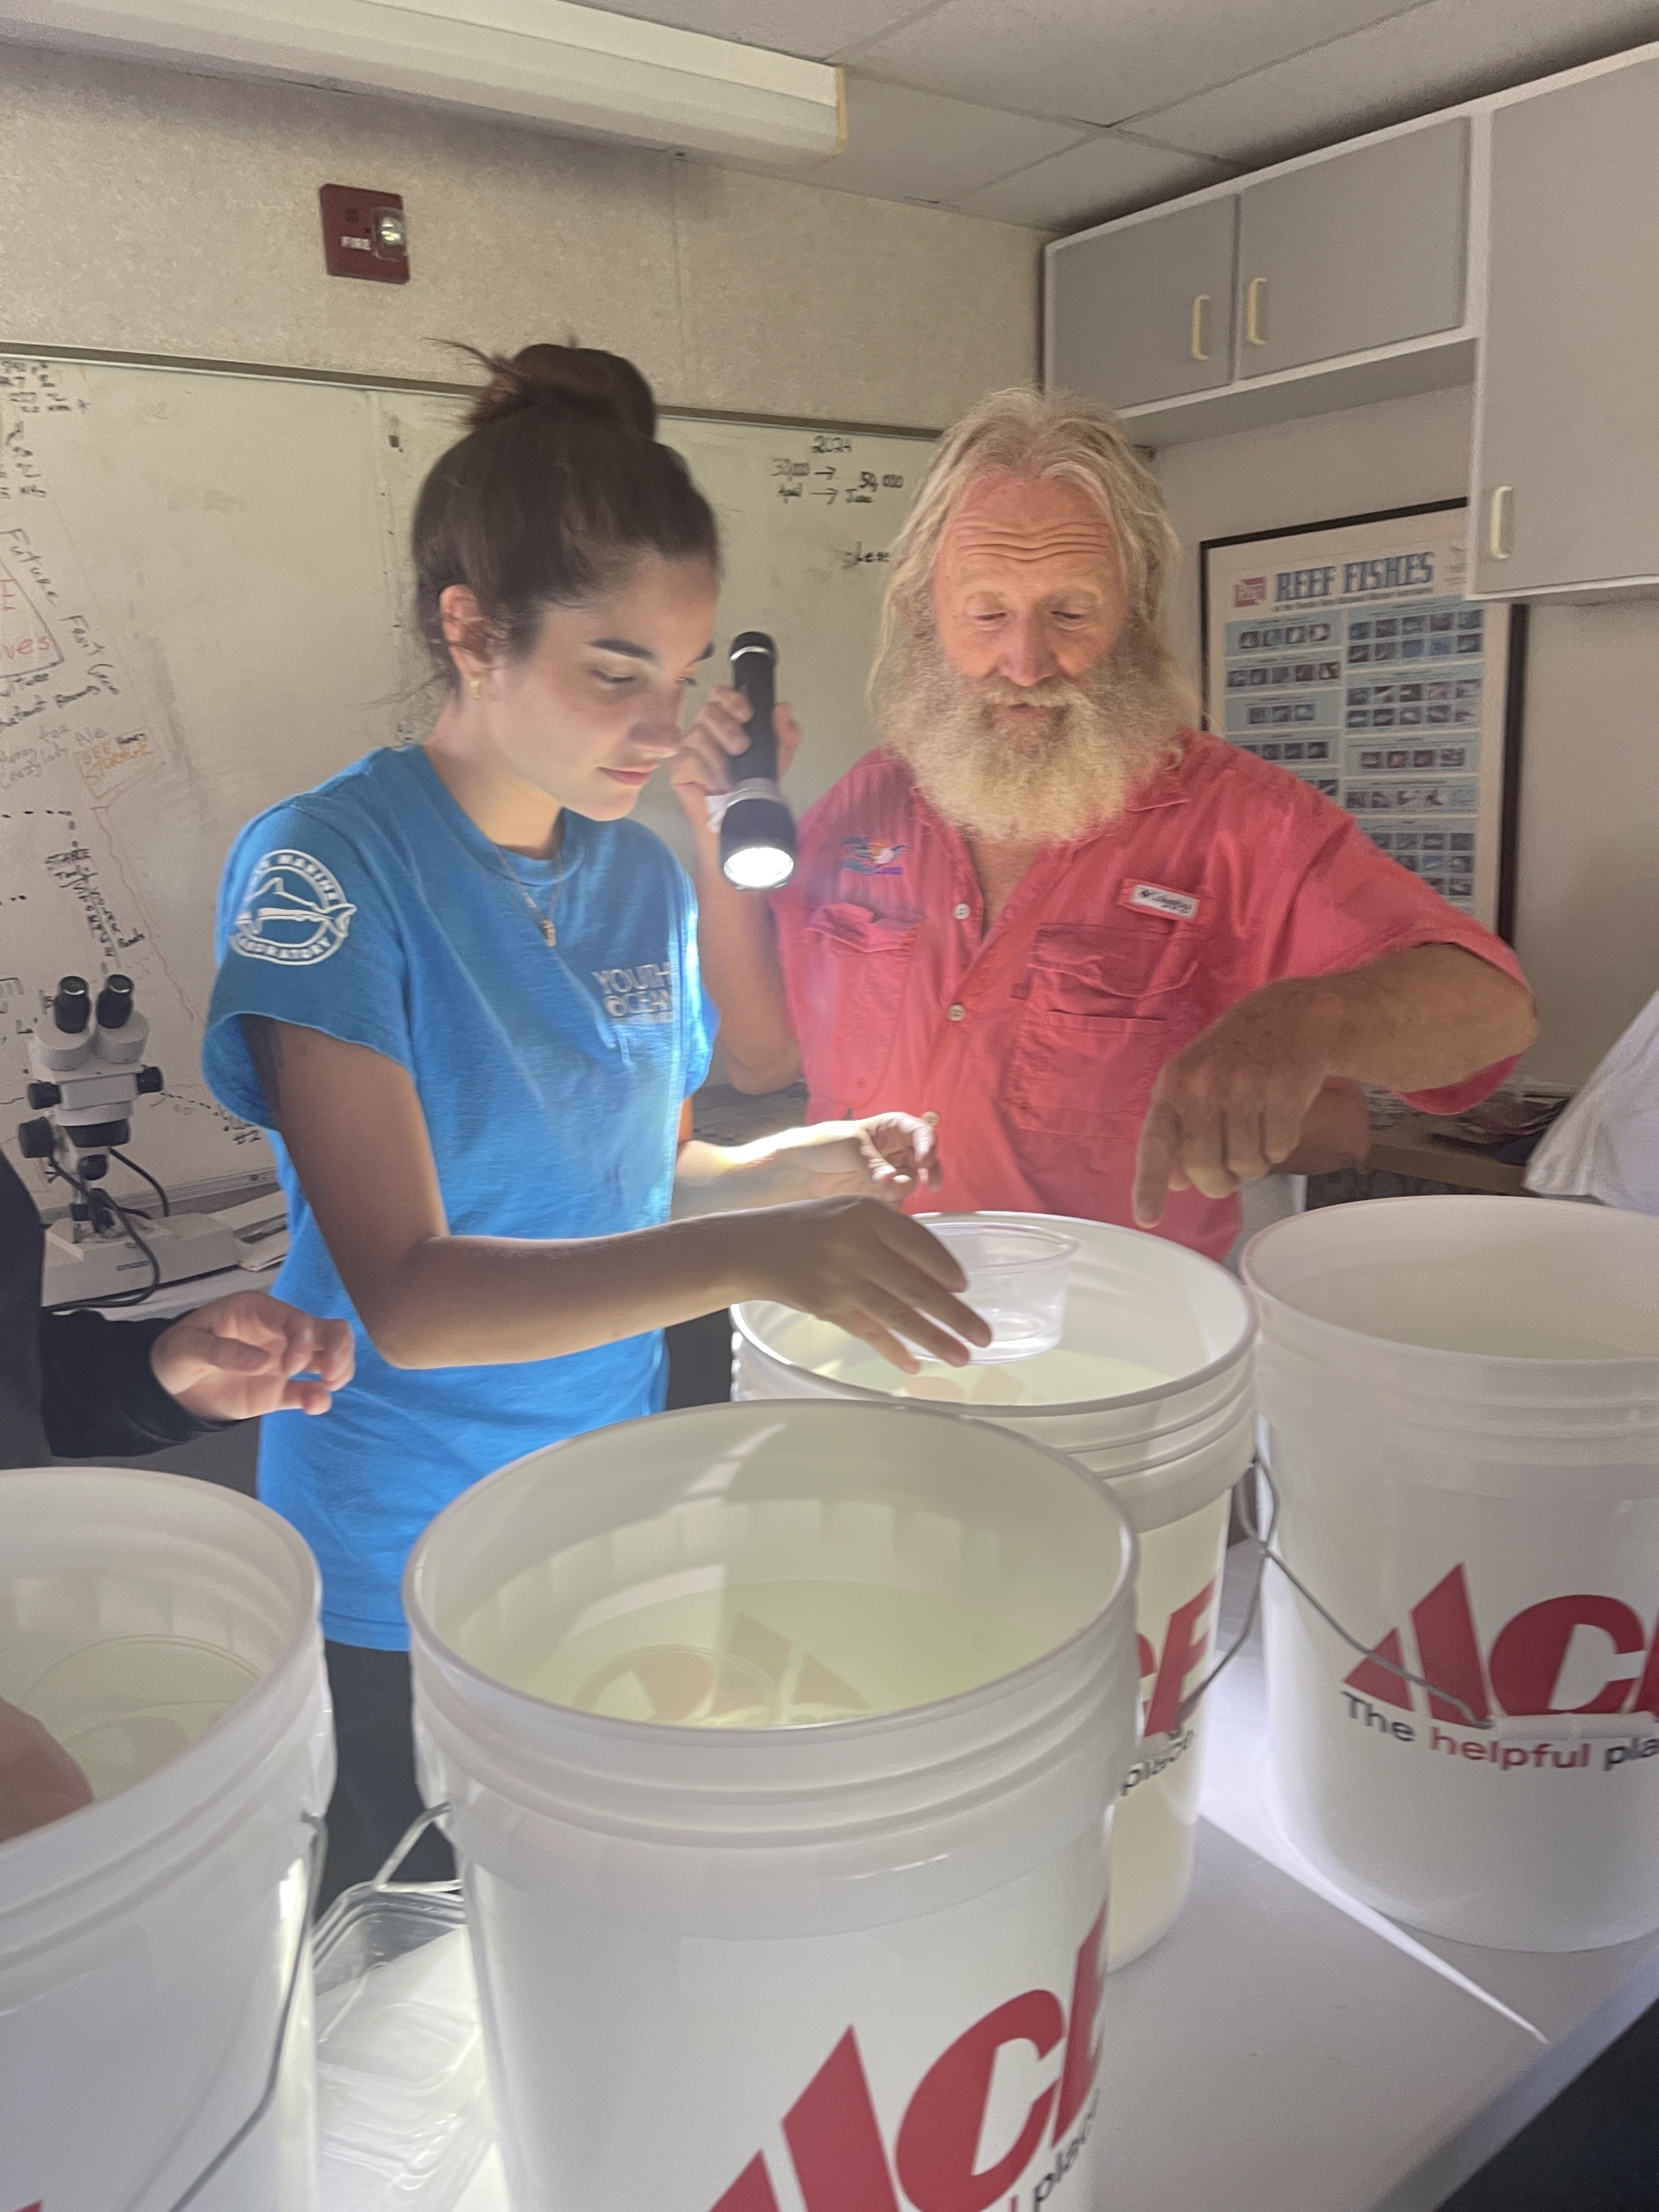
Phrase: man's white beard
{"type": "Point", "coordinates": [1051, 779]}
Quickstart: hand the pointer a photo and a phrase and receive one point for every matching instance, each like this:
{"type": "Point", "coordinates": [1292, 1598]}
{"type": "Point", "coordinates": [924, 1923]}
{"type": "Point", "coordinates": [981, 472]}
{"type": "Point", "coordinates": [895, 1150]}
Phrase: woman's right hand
{"type": "Point", "coordinates": [872, 1272]}
{"type": "Point", "coordinates": [710, 756]}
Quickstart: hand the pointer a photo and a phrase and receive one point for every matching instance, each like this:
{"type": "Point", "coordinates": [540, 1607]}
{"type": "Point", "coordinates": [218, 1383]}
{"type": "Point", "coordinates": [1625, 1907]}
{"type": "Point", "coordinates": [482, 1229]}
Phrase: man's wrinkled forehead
{"type": "Point", "coordinates": [1023, 524]}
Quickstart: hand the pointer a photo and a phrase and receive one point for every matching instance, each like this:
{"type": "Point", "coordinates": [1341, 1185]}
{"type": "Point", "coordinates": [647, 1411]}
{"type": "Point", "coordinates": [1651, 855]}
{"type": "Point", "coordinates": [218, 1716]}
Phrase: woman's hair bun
{"type": "Point", "coordinates": [580, 379]}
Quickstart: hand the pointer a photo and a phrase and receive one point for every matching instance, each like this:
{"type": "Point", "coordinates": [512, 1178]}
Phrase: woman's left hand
{"type": "Point", "coordinates": [887, 1156]}
{"type": "Point", "coordinates": [251, 1354]}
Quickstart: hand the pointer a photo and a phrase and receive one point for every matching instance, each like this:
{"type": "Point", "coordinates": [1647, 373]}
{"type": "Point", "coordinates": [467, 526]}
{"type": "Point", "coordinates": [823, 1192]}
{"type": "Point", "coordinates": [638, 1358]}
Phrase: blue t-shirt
{"type": "Point", "coordinates": [551, 1080]}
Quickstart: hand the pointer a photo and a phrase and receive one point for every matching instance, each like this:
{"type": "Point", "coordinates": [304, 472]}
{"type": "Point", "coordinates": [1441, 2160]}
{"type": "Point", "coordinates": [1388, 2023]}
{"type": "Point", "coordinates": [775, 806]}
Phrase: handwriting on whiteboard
{"type": "Point", "coordinates": [76, 745]}
{"type": "Point", "coordinates": [829, 466]}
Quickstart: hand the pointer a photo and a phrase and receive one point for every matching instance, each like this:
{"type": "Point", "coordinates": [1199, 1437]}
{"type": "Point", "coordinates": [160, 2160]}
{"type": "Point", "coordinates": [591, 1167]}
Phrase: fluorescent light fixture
{"type": "Point", "coordinates": [547, 61]}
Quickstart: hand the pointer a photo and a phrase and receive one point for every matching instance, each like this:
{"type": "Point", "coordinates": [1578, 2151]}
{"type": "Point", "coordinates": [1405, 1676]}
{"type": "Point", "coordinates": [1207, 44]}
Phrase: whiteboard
{"type": "Point", "coordinates": [205, 607]}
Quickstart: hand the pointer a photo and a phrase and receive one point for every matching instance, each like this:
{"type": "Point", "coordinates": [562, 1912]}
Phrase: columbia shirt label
{"type": "Point", "coordinates": [1158, 898]}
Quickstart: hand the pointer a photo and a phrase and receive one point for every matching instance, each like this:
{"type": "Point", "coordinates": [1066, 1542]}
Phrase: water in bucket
{"type": "Point", "coordinates": [121, 1704]}
{"type": "Point", "coordinates": [1067, 1374]}
{"type": "Point", "coordinates": [790, 1929]}
{"type": "Point", "coordinates": [777, 1655]}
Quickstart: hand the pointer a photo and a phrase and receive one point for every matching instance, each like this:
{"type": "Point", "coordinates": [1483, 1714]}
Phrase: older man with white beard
{"type": "Point", "coordinates": [1122, 966]}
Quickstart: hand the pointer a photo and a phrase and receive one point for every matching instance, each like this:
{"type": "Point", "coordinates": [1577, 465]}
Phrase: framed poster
{"type": "Point", "coordinates": [1346, 652]}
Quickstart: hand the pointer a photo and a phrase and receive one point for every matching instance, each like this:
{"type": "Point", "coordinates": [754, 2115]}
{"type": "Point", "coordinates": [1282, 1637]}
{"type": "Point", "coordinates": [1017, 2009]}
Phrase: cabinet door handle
{"type": "Point", "coordinates": [1254, 293]}
{"type": "Point", "coordinates": [1197, 346]}
{"type": "Point", "coordinates": [1497, 522]}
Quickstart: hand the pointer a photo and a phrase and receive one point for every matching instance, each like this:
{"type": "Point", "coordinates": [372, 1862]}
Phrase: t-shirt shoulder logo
{"type": "Point", "coordinates": [295, 911]}
{"type": "Point", "coordinates": [870, 856]}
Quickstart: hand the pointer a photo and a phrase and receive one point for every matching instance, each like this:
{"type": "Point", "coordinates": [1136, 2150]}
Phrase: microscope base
{"type": "Point", "coordinates": [103, 1265]}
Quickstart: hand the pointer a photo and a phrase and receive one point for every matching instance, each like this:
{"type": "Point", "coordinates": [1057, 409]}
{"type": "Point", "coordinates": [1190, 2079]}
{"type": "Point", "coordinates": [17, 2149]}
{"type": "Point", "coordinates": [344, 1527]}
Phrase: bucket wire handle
{"type": "Point", "coordinates": [406, 1843]}
{"type": "Point", "coordinates": [1264, 1538]}
{"type": "Point", "coordinates": [316, 1844]}
{"type": "Point", "coordinates": [1191, 1701]}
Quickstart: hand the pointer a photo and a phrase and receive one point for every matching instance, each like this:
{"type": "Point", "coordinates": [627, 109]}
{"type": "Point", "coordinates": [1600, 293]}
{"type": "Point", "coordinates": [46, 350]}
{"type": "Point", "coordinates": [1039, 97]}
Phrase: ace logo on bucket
{"type": "Point", "coordinates": [1187, 1646]}
{"type": "Point", "coordinates": [1582, 1652]}
{"type": "Point", "coordinates": [843, 2163]}
{"type": "Point", "coordinates": [1167, 1677]}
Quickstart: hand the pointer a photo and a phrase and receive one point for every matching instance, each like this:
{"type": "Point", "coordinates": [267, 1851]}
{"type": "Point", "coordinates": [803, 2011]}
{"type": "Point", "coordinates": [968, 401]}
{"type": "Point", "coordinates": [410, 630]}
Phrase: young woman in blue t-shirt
{"type": "Point", "coordinates": [461, 990]}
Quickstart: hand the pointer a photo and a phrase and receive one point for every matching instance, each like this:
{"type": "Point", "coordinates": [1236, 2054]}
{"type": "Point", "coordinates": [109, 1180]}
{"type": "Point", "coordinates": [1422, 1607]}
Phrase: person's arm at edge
{"type": "Point", "coordinates": [100, 1393]}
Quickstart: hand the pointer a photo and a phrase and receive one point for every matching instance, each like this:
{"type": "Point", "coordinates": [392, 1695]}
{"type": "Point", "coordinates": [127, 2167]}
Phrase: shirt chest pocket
{"type": "Point", "coordinates": [861, 967]}
{"type": "Point", "coordinates": [1104, 1007]}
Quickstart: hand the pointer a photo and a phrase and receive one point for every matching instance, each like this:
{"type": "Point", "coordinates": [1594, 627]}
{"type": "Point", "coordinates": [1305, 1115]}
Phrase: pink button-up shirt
{"type": "Point", "coordinates": [1036, 1043]}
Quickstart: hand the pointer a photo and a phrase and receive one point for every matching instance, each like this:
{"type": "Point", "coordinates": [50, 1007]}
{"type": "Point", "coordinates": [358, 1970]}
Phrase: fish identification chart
{"type": "Point", "coordinates": [1347, 654]}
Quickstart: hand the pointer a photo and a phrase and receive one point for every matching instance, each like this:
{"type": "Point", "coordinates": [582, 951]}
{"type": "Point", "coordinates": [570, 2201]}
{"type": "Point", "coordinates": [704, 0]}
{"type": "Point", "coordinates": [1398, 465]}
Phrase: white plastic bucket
{"type": "Point", "coordinates": [852, 1959]}
{"type": "Point", "coordinates": [155, 2025]}
{"type": "Point", "coordinates": [1172, 1438]}
{"type": "Point", "coordinates": [1462, 1400]}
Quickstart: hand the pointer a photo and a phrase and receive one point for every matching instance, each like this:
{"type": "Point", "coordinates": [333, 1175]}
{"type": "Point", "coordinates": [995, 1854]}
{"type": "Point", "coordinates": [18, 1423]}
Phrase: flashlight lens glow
{"type": "Point", "coordinates": [759, 868]}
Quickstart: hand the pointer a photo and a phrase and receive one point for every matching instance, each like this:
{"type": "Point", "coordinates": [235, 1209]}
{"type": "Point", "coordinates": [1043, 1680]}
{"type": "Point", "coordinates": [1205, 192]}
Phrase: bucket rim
{"type": "Point", "coordinates": [748, 1743]}
{"type": "Point", "coordinates": [158, 1811]}
{"type": "Point", "coordinates": [1515, 1362]}
{"type": "Point", "coordinates": [1194, 1379]}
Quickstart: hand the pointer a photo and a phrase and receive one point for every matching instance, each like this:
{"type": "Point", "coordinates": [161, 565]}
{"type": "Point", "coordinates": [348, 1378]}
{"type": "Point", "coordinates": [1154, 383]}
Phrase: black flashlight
{"type": "Point", "coordinates": [757, 832]}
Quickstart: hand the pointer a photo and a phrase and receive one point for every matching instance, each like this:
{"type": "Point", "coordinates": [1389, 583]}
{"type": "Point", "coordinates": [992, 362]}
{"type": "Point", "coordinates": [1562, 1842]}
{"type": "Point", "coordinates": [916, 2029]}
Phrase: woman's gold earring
{"type": "Point", "coordinates": [478, 686]}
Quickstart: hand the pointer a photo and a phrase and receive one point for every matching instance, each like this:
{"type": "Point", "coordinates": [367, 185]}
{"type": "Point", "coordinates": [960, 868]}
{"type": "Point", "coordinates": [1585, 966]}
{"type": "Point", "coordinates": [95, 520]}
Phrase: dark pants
{"type": "Point", "coordinates": [375, 1797]}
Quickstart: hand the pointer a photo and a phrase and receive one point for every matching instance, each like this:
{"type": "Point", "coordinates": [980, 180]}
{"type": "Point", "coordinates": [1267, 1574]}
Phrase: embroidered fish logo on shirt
{"type": "Point", "coordinates": [295, 912]}
{"type": "Point", "coordinates": [867, 856]}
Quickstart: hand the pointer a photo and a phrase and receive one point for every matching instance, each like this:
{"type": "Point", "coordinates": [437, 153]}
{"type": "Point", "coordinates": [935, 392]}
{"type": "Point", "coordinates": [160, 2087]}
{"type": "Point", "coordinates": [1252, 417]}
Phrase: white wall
{"type": "Point", "coordinates": [1588, 868]}
{"type": "Point", "coordinates": [145, 210]}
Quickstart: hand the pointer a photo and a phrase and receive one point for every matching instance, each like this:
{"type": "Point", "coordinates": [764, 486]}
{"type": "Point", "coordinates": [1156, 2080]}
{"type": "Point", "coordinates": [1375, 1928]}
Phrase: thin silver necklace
{"type": "Point", "coordinates": [543, 919]}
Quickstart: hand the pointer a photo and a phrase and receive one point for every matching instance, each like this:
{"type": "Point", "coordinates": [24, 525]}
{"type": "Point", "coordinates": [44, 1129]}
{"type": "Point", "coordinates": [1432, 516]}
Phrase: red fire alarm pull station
{"type": "Point", "coordinates": [365, 235]}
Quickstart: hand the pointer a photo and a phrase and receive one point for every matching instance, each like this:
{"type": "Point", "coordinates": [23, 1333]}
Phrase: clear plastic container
{"type": "Point", "coordinates": [1017, 1277]}
{"type": "Point", "coordinates": [403, 2114]}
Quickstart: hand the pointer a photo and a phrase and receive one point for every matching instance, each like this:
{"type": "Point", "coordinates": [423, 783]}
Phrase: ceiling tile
{"type": "Point", "coordinates": [1442, 52]}
{"type": "Point", "coordinates": [1108, 175]}
{"type": "Point", "coordinates": [907, 145]}
{"type": "Point", "coordinates": [805, 26]}
{"type": "Point", "coordinates": [1100, 61]}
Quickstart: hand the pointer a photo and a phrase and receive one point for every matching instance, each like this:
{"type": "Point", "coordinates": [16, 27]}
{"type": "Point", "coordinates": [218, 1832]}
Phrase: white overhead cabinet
{"type": "Point", "coordinates": [1211, 315]}
{"type": "Point", "coordinates": [1147, 312]}
{"type": "Point", "coordinates": [1364, 251]}
{"type": "Point", "coordinates": [1515, 241]}
{"type": "Point", "coordinates": [1567, 464]}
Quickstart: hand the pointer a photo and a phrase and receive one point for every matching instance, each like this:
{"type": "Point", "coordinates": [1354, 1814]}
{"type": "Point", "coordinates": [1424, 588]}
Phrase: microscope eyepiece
{"type": "Point", "coordinates": [115, 1002]}
{"type": "Point", "coordinates": [72, 1008]}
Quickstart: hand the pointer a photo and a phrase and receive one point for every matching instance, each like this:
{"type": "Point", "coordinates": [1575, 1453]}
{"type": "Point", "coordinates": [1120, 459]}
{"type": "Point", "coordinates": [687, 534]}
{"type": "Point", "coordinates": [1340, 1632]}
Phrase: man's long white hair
{"type": "Point", "coordinates": [1121, 721]}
